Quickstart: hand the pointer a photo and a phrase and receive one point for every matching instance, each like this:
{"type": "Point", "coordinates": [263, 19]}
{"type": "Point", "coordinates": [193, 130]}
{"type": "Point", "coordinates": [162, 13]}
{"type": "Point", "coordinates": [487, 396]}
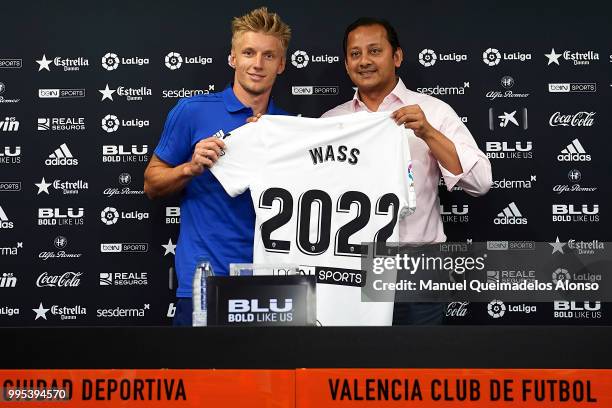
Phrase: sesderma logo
{"type": "Point", "coordinates": [510, 215]}
{"type": "Point", "coordinates": [121, 312]}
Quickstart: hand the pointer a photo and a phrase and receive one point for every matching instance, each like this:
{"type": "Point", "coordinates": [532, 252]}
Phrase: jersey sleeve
{"type": "Point", "coordinates": [174, 146]}
{"type": "Point", "coordinates": [407, 178]}
{"type": "Point", "coordinates": [239, 165]}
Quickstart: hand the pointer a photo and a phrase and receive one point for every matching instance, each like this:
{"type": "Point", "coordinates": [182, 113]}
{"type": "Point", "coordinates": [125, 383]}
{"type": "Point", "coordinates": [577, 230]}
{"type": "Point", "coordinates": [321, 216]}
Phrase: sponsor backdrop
{"type": "Point", "coordinates": [85, 90]}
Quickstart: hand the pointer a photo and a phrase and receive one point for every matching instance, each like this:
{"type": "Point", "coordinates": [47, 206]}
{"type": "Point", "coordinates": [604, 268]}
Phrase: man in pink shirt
{"type": "Point", "coordinates": [443, 146]}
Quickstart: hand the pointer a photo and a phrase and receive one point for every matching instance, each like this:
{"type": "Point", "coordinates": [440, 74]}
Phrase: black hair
{"type": "Point", "coordinates": [369, 21]}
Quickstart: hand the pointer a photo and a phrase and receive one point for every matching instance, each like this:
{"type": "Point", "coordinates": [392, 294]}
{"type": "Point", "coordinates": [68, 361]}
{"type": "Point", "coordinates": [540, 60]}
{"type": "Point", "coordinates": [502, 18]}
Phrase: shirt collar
{"type": "Point", "coordinates": [399, 92]}
{"type": "Point", "coordinates": [233, 104]}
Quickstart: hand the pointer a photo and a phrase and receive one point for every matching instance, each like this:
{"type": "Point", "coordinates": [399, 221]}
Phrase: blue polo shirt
{"type": "Point", "coordinates": [213, 224]}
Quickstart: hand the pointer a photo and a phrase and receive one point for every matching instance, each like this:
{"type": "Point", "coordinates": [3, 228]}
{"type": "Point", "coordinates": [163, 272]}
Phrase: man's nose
{"type": "Point", "coordinates": [364, 61]}
{"type": "Point", "coordinates": [259, 60]}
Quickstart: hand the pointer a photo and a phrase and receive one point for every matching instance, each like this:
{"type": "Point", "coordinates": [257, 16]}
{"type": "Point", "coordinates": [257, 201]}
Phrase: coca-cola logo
{"type": "Point", "coordinates": [65, 280]}
{"type": "Point", "coordinates": [457, 309]}
{"type": "Point", "coordinates": [579, 119]}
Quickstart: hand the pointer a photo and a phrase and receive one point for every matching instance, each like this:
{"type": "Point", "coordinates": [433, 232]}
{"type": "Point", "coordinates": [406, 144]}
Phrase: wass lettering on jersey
{"type": "Point", "coordinates": [321, 188]}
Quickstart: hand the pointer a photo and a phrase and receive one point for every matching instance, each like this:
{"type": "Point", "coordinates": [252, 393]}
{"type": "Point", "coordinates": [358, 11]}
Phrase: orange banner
{"type": "Point", "coordinates": [148, 388]}
{"type": "Point", "coordinates": [441, 388]}
{"type": "Point", "coordinates": [303, 388]}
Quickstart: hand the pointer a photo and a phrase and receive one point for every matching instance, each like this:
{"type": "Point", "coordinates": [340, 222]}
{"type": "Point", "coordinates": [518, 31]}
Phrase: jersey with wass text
{"type": "Point", "coordinates": [321, 188]}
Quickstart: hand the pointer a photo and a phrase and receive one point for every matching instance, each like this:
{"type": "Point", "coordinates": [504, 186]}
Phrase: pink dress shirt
{"type": "Point", "coordinates": [425, 225]}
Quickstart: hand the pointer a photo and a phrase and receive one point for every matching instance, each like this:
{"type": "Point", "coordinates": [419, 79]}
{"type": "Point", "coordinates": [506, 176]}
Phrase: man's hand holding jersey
{"type": "Point", "coordinates": [205, 154]}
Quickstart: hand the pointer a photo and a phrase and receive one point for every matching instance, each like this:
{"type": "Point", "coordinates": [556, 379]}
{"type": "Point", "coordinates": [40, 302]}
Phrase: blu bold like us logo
{"type": "Point", "coordinates": [506, 150]}
{"type": "Point", "coordinates": [125, 153]}
{"type": "Point", "coordinates": [10, 154]}
{"type": "Point", "coordinates": [57, 216]}
{"type": "Point", "coordinates": [250, 310]}
{"type": "Point", "coordinates": [454, 213]}
{"type": "Point", "coordinates": [173, 215]}
{"type": "Point", "coordinates": [575, 213]}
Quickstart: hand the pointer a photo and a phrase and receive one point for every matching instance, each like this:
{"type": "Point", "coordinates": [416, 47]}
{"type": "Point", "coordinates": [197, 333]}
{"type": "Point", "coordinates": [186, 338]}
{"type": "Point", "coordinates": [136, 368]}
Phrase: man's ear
{"type": "Point", "coordinates": [398, 57]}
{"type": "Point", "coordinates": [231, 59]}
{"type": "Point", "coordinates": [283, 64]}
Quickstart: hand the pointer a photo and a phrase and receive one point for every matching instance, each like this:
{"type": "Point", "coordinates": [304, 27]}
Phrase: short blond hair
{"type": "Point", "coordinates": [261, 20]}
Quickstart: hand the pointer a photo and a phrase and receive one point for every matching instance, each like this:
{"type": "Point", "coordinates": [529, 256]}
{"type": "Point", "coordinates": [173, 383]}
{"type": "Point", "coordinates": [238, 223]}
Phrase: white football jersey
{"type": "Point", "coordinates": [321, 188]}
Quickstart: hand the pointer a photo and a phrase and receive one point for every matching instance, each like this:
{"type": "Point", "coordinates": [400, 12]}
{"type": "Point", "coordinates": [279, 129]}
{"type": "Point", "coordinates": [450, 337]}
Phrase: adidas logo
{"type": "Point", "coordinates": [221, 134]}
{"type": "Point", "coordinates": [61, 157]}
{"type": "Point", "coordinates": [4, 221]}
{"type": "Point", "coordinates": [510, 215]}
{"type": "Point", "coordinates": [574, 152]}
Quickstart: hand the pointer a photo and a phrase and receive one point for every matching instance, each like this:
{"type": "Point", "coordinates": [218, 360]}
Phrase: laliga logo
{"type": "Point", "coordinates": [299, 59]}
{"type": "Point", "coordinates": [109, 216]}
{"type": "Point", "coordinates": [427, 57]}
{"type": "Point", "coordinates": [173, 60]}
{"type": "Point", "coordinates": [110, 61]}
{"type": "Point", "coordinates": [491, 56]}
{"type": "Point", "coordinates": [560, 275]}
{"type": "Point", "coordinates": [496, 309]}
{"type": "Point", "coordinates": [110, 123]}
